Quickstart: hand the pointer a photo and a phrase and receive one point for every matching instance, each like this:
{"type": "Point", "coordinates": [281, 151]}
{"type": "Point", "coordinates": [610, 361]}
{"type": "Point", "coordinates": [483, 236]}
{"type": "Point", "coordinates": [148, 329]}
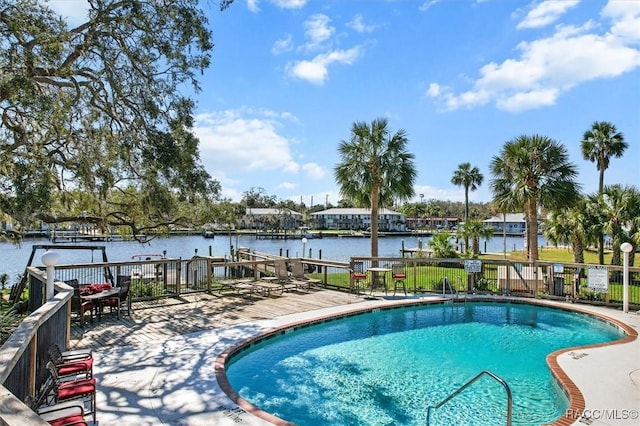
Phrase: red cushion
{"type": "Point", "coordinates": [77, 418]}
{"type": "Point", "coordinates": [97, 288]}
{"type": "Point", "coordinates": [76, 388]}
{"type": "Point", "coordinates": [71, 367]}
{"type": "Point", "coordinates": [85, 289]}
{"type": "Point", "coordinates": [400, 276]}
{"type": "Point", "coordinates": [359, 276]}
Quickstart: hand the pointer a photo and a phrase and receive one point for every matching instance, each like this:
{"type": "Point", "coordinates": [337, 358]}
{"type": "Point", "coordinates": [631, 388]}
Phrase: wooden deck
{"type": "Point", "coordinates": [160, 319]}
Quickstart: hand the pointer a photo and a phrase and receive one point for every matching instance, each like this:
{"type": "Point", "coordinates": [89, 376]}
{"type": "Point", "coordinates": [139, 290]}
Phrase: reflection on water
{"type": "Point", "coordinates": [13, 258]}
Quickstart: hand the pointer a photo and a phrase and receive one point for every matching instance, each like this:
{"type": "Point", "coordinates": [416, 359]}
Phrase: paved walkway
{"type": "Point", "coordinates": [157, 367]}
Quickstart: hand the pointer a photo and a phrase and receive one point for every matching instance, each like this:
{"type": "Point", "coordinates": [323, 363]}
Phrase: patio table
{"type": "Point", "coordinates": [379, 275]}
{"type": "Point", "coordinates": [99, 298]}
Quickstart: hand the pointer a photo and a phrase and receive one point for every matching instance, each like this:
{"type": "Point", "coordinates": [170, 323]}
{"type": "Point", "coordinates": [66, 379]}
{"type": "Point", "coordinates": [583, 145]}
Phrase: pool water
{"type": "Point", "coordinates": [387, 367]}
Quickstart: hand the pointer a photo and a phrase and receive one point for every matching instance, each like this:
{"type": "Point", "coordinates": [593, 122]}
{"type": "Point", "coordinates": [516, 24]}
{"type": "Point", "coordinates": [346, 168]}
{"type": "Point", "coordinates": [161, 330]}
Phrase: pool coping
{"type": "Point", "coordinates": [577, 404]}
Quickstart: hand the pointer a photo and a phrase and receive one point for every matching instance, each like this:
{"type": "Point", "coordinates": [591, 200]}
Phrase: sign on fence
{"type": "Point", "coordinates": [472, 265]}
{"type": "Point", "coordinates": [598, 279]}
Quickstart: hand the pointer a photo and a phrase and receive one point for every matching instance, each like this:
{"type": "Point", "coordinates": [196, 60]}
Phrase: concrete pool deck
{"type": "Point", "coordinates": [171, 380]}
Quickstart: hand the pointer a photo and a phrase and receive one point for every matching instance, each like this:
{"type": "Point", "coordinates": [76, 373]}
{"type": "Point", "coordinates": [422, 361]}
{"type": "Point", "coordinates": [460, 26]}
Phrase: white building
{"type": "Point", "coordinates": [358, 220]}
{"type": "Point", "coordinates": [512, 223]}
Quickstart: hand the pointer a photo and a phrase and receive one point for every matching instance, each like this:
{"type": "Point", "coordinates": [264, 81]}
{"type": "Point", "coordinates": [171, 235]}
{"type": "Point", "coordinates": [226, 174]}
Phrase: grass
{"type": "Point", "coordinates": [553, 254]}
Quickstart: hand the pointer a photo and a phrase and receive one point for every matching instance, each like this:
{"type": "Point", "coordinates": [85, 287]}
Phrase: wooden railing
{"type": "Point", "coordinates": [23, 357]}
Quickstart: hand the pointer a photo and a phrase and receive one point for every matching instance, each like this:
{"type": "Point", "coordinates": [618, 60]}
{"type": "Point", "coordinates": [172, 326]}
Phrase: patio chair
{"type": "Point", "coordinates": [281, 277]}
{"type": "Point", "coordinates": [358, 275]}
{"type": "Point", "coordinates": [63, 414]}
{"type": "Point", "coordinates": [399, 275]}
{"type": "Point", "coordinates": [71, 367]}
{"type": "Point", "coordinates": [297, 274]}
{"type": "Point", "coordinates": [241, 287]}
{"type": "Point", "coordinates": [72, 354]}
{"type": "Point", "coordinates": [80, 307]}
{"type": "Point", "coordinates": [121, 302]}
{"type": "Point", "coordinates": [82, 389]}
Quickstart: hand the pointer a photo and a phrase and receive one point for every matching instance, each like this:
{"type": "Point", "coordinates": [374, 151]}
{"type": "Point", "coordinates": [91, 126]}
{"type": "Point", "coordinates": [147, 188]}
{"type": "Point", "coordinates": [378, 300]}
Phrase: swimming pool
{"type": "Point", "coordinates": [386, 367]}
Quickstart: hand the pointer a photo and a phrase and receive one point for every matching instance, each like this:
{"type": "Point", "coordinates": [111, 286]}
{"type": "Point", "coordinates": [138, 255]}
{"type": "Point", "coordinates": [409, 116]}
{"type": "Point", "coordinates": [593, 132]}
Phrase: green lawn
{"type": "Point", "coordinates": [553, 254]}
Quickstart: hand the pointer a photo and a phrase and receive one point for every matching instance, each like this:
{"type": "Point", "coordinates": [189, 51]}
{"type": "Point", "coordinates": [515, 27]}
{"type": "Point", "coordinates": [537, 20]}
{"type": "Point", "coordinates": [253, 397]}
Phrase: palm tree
{"type": "Point", "coordinates": [599, 144]}
{"type": "Point", "coordinates": [634, 225]}
{"type": "Point", "coordinates": [375, 169]}
{"type": "Point", "coordinates": [471, 179]}
{"type": "Point", "coordinates": [475, 229]}
{"type": "Point", "coordinates": [442, 246]}
{"type": "Point", "coordinates": [618, 208]}
{"type": "Point", "coordinates": [569, 226]}
{"type": "Point", "coordinates": [532, 172]}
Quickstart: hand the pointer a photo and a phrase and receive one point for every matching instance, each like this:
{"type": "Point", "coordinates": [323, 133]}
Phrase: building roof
{"type": "Point", "coordinates": [270, 211]}
{"type": "Point", "coordinates": [353, 211]}
{"type": "Point", "coordinates": [510, 217]}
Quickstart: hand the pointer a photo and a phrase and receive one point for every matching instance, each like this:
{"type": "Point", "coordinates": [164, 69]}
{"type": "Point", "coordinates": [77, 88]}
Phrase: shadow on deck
{"type": "Point", "coordinates": [163, 318]}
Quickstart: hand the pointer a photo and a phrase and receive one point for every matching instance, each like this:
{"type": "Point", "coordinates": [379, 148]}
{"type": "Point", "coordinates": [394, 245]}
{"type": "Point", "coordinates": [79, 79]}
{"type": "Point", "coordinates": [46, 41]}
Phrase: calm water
{"type": "Point", "coordinates": [387, 367]}
{"type": "Point", "coordinates": [13, 258]}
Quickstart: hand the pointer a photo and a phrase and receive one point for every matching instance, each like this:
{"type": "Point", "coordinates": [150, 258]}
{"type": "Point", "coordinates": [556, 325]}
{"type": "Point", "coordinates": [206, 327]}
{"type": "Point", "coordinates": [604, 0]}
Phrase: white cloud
{"type": "Point", "coordinates": [547, 67]}
{"type": "Point", "coordinates": [290, 4]}
{"type": "Point", "coordinates": [546, 12]}
{"type": "Point", "coordinates": [288, 186]}
{"type": "Point", "coordinates": [315, 71]}
{"type": "Point", "coordinates": [237, 140]}
{"type": "Point", "coordinates": [626, 19]}
{"type": "Point", "coordinates": [252, 5]}
{"type": "Point", "coordinates": [432, 193]}
{"type": "Point", "coordinates": [314, 171]}
{"type": "Point", "coordinates": [528, 100]}
{"type": "Point", "coordinates": [359, 26]}
{"type": "Point", "coordinates": [433, 90]}
{"type": "Point", "coordinates": [283, 45]}
{"type": "Point", "coordinates": [427, 5]}
{"type": "Point", "coordinates": [317, 31]}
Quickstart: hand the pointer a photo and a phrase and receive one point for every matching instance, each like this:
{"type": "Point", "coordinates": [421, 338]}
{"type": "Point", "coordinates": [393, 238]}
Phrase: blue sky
{"type": "Point", "coordinates": [461, 77]}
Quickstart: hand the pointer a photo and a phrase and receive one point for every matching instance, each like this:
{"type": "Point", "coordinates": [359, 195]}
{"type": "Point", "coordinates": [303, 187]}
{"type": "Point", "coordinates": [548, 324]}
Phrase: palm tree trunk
{"type": "Point", "coordinates": [601, 248]}
{"type": "Point", "coordinates": [578, 249]}
{"type": "Point", "coordinates": [374, 221]}
{"type": "Point", "coordinates": [466, 214]}
{"type": "Point", "coordinates": [532, 229]}
{"type": "Point", "coordinates": [601, 236]}
{"type": "Point", "coordinates": [601, 182]}
{"type": "Point", "coordinates": [476, 247]}
{"type": "Point", "coordinates": [616, 257]}
{"type": "Point", "coordinates": [466, 202]}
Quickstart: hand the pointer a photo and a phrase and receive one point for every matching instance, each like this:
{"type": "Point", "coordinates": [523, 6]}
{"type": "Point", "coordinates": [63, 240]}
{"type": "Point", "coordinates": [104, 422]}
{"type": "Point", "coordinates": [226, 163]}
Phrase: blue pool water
{"type": "Point", "coordinates": [387, 367]}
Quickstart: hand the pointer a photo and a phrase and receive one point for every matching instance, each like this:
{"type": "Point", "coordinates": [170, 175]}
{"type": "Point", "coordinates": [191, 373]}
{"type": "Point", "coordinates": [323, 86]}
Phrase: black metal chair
{"type": "Point", "coordinates": [399, 275]}
{"type": "Point", "coordinates": [78, 306]}
{"type": "Point", "coordinates": [358, 275]}
{"type": "Point", "coordinates": [121, 302]}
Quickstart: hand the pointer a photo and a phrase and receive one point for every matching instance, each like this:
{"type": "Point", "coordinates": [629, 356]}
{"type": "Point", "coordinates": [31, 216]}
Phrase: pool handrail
{"type": "Point", "coordinates": [469, 383]}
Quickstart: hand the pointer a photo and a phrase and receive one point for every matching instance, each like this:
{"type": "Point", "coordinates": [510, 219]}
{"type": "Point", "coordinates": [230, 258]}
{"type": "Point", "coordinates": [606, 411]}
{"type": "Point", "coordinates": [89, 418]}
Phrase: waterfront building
{"type": "Point", "coordinates": [511, 224]}
{"type": "Point", "coordinates": [356, 219]}
{"type": "Point", "coordinates": [270, 218]}
{"type": "Point", "coordinates": [432, 222]}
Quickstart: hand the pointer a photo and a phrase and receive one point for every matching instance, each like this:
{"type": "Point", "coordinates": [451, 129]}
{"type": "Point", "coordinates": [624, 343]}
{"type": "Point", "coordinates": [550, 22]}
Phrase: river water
{"type": "Point", "coordinates": [13, 258]}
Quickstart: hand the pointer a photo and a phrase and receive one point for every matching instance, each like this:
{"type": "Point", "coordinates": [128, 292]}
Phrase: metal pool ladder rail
{"type": "Point", "coordinates": [469, 383]}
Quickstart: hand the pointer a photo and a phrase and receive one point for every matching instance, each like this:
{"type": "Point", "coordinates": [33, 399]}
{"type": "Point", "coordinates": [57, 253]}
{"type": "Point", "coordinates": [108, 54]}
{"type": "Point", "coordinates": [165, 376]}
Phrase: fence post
{"type": "Point", "coordinates": [209, 274]}
{"type": "Point", "coordinates": [178, 275]}
{"type": "Point", "coordinates": [626, 249]}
